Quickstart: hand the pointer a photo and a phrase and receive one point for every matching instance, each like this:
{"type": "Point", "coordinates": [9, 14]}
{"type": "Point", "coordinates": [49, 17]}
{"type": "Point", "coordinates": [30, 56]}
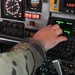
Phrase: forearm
{"type": "Point", "coordinates": [37, 50]}
{"type": "Point", "coordinates": [27, 56]}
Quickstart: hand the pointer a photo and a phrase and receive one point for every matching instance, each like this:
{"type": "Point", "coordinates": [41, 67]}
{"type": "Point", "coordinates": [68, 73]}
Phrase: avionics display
{"type": "Point", "coordinates": [62, 6]}
{"type": "Point", "coordinates": [34, 5]}
{"type": "Point", "coordinates": [12, 9]}
{"type": "Point", "coordinates": [67, 6]}
{"type": "Point", "coordinates": [69, 3]}
{"type": "Point", "coordinates": [34, 1]}
{"type": "Point", "coordinates": [66, 26]}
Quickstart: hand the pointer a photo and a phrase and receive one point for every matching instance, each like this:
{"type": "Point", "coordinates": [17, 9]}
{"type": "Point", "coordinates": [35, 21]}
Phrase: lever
{"type": "Point", "coordinates": [57, 66]}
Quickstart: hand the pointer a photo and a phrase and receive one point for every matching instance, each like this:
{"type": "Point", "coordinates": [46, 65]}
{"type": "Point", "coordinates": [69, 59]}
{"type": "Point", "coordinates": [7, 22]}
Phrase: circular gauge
{"type": "Point", "coordinates": [12, 7]}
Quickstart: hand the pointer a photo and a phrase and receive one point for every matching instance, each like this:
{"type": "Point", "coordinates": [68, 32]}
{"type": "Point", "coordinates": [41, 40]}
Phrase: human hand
{"type": "Point", "coordinates": [49, 36]}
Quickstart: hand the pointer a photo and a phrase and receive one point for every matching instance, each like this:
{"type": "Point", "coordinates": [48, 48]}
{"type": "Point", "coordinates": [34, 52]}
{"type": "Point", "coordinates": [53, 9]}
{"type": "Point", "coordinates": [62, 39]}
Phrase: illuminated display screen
{"type": "Point", "coordinates": [34, 1]}
{"type": "Point", "coordinates": [69, 3]}
{"type": "Point", "coordinates": [66, 26]}
{"type": "Point", "coordinates": [12, 9]}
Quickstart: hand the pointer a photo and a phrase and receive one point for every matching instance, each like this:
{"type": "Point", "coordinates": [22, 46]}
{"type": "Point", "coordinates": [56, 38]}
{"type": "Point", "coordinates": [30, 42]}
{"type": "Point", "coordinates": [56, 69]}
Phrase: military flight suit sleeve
{"type": "Point", "coordinates": [23, 59]}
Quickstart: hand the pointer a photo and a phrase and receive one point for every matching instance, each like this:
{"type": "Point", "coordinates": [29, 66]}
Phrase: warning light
{"type": "Point", "coordinates": [32, 16]}
{"type": "Point", "coordinates": [27, 15]}
{"type": "Point", "coordinates": [35, 16]}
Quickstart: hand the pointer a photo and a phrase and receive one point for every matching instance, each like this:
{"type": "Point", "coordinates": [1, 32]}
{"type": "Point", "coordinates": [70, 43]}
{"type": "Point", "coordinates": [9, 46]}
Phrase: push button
{"type": "Point", "coordinates": [32, 23]}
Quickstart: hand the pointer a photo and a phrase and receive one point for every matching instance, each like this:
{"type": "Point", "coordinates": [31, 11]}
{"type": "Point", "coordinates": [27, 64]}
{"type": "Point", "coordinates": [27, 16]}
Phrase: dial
{"type": "Point", "coordinates": [12, 7]}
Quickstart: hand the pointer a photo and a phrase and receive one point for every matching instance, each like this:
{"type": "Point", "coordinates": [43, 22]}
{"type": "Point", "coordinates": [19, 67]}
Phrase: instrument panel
{"type": "Point", "coordinates": [20, 19]}
{"type": "Point", "coordinates": [65, 50]}
{"type": "Point", "coordinates": [60, 59]}
{"type": "Point", "coordinates": [66, 6]}
{"type": "Point", "coordinates": [23, 18]}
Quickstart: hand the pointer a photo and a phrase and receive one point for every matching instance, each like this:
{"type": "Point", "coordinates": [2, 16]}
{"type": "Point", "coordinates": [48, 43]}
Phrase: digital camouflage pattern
{"type": "Point", "coordinates": [23, 59]}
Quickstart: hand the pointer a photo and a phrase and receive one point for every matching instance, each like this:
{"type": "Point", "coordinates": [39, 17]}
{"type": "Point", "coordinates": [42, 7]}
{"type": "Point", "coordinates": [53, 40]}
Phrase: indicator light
{"type": "Point", "coordinates": [35, 16]}
{"type": "Point", "coordinates": [27, 15]}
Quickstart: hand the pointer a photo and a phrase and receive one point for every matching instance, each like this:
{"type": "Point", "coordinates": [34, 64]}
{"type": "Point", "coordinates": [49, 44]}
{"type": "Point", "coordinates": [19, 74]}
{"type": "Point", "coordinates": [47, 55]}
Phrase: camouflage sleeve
{"type": "Point", "coordinates": [23, 59]}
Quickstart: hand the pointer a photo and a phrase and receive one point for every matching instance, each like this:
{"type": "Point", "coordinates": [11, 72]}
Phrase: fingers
{"type": "Point", "coordinates": [61, 38]}
{"type": "Point", "coordinates": [54, 27]}
{"type": "Point", "coordinates": [58, 31]}
{"type": "Point", "coordinates": [49, 26]}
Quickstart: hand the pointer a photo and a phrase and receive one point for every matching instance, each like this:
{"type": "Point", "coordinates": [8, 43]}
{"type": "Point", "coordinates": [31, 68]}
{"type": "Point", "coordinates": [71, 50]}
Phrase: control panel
{"type": "Point", "coordinates": [65, 50]}
{"type": "Point", "coordinates": [11, 28]}
{"type": "Point", "coordinates": [23, 18]}
{"type": "Point", "coordinates": [67, 6]}
{"type": "Point", "coordinates": [13, 21]}
{"type": "Point", "coordinates": [61, 59]}
{"type": "Point", "coordinates": [35, 12]}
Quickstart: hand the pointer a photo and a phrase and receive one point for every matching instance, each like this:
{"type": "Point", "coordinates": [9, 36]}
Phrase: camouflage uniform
{"type": "Point", "coordinates": [23, 59]}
